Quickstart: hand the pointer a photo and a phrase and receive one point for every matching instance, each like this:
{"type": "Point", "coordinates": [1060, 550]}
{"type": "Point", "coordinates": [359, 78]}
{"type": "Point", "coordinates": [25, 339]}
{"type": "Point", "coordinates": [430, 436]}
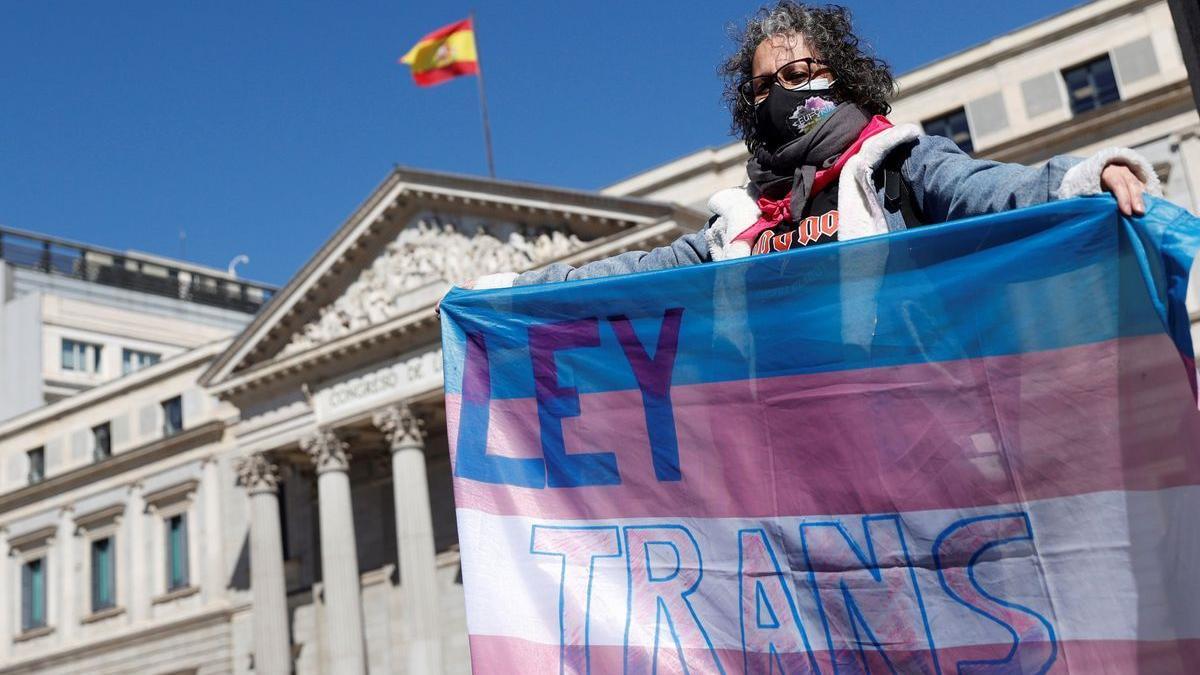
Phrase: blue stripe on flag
{"type": "Point", "coordinates": [1058, 275]}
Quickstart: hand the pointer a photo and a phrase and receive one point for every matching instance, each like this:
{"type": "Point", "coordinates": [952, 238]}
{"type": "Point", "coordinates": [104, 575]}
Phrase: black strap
{"type": "Point", "coordinates": [897, 193]}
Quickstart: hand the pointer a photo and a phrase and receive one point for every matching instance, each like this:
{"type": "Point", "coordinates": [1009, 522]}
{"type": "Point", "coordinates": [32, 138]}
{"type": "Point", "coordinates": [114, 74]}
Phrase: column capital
{"type": "Point", "coordinates": [327, 451]}
{"type": "Point", "coordinates": [257, 473]}
{"type": "Point", "coordinates": [403, 428]}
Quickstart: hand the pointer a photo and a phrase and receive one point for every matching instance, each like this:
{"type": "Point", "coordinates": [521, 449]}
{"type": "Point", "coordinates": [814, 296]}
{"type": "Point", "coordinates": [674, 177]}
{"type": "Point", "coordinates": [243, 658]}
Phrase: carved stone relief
{"type": "Point", "coordinates": [257, 473]}
{"type": "Point", "coordinates": [327, 451]}
{"type": "Point", "coordinates": [426, 252]}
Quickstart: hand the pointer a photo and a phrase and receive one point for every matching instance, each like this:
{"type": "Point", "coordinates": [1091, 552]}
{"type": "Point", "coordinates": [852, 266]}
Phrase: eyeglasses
{"type": "Point", "coordinates": [791, 76]}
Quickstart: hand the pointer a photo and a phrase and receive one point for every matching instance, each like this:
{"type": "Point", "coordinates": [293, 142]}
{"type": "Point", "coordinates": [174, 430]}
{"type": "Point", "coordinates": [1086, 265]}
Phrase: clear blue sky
{"type": "Point", "coordinates": [256, 127]}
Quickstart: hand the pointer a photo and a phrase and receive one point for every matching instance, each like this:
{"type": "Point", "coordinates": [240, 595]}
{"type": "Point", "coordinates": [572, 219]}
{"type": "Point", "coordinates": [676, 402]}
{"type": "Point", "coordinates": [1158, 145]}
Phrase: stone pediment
{"type": "Point", "coordinates": [417, 234]}
{"type": "Point", "coordinates": [431, 253]}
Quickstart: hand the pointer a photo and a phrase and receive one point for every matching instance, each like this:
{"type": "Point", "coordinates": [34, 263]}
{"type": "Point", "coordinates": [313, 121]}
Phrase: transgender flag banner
{"type": "Point", "coordinates": [971, 447]}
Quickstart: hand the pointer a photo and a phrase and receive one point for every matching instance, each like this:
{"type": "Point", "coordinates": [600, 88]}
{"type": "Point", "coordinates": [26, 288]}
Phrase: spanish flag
{"type": "Point", "coordinates": [444, 54]}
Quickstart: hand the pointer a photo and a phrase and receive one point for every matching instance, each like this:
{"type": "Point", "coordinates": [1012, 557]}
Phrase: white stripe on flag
{"type": "Point", "coordinates": [1114, 566]}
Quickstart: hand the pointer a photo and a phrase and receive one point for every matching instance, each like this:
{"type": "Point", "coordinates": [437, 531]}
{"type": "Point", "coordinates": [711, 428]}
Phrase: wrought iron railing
{"type": "Point", "coordinates": [130, 271]}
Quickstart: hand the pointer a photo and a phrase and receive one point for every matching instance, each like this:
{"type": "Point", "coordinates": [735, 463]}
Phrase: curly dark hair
{"type": "Point", "coordinates": [861, 77]}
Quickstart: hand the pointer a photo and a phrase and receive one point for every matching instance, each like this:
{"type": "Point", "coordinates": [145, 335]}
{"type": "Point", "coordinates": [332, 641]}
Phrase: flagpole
{"type": "Point", "coordinates": [487, 128]}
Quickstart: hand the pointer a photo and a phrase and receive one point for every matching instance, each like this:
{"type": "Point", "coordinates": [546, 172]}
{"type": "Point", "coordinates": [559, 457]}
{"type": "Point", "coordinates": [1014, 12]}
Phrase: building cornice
{"type": "Point", "coordinates": [99, 517]}
{"type": "Point", "coordinates": [177, 492]}
{"type": "Point", "coordinates": [1016, 42]}
{"type": "Point", "coordinates": [154, 451]}
{"type": "Point", "coordinates": [112, 389]}
{"type": "Point", "coordinates": [301, 366]}
{"type": "Point", "coordinates": [561, 201]}
{"type": "Point", "coordinates": [1092, 127]}
{"type": "Point", "coordinates": [709, 160]}
{"type": "Point", "coordinates": [33, 538]}
{"type": "Point", "coordinates": [190, 622]}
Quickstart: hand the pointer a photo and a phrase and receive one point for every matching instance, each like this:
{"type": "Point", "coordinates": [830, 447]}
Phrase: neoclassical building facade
{"type": "Point", "coordinates": [278, 499]}
{"type": "Point", "coordinates": [271, 493]}
{"type": "Point", "coordinates": [341, 425]}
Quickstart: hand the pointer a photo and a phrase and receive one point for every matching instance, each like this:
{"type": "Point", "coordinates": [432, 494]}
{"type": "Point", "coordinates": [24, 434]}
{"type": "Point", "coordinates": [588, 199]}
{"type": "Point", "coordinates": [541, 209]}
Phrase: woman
{"type": "Point", "coordinates": [827, 165]}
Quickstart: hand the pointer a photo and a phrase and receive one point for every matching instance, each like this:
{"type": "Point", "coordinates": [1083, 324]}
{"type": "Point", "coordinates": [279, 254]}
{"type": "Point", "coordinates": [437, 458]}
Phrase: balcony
{"type": "Point", "coordinates": [131, 272]}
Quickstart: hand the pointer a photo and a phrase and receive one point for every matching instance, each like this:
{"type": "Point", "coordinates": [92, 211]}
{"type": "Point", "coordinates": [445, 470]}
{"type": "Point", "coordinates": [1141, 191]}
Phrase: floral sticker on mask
{"type": "Point", "coordinates": [813, 112]}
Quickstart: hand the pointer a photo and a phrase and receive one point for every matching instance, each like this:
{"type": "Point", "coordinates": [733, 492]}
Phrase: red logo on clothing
{"type": "Point", "coordinates": [809, 231]}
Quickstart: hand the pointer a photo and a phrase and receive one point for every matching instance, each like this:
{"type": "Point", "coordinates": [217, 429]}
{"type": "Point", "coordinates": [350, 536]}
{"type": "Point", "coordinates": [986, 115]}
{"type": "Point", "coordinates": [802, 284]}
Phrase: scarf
{"type": "Point", "coordinates": [792, 167]}
{"type": "Point", "coordinates": [774, 211]}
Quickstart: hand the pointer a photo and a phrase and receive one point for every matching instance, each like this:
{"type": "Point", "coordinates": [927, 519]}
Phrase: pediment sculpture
{"type": "Point", "coordinates": [424, 253]}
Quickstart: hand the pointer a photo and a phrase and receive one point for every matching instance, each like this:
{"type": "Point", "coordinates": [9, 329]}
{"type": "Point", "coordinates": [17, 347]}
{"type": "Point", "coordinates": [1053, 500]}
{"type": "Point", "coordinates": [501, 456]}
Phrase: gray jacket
{"type": "Point", "coordinates": [946, 184]}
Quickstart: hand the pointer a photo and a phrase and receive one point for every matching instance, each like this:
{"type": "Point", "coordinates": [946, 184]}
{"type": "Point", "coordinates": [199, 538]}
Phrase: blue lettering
{"type": "Point", "coordinates": [654, 380]}
{"type": "Point", "coordinates": [852, 586]}
{"type": "Point", "coordinates": [956, 552]}
{"type": "Point", "coordinates": [578, 548]}
{"type": "Point", "coordinates": [658, 596]}
{"type": "Point", "coordinates": [555, 402]}
{"type": "Point", "coordinates": [773, 635]}
{"type": "Point", "coordinates": [472, 461]}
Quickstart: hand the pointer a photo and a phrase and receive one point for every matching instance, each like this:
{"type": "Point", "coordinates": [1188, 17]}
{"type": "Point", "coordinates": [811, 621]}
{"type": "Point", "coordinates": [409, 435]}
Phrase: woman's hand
{"type": "Point", "coordinates": [437, 308]}
{"type": "Point", "coordinates": [1119, 180]}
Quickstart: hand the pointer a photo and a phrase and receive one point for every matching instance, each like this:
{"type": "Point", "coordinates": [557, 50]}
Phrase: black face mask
{"type": "Point", "coordinates": [786, 115]}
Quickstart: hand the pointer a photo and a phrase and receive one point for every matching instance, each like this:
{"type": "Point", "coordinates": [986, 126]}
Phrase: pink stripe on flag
{"type": "Point", "coordinates": [1116, 415]}
{"type": "Point", "coordinates": [496, 654]}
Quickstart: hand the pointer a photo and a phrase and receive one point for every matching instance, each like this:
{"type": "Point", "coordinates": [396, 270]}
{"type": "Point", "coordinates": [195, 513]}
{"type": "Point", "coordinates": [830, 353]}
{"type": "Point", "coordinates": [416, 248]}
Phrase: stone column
{"type": "Point", "coordinates": [414, 536]}
{"type": "Point", "coordinates": [344, 635]}
{"type": "Point", "coordinates": [272, 651]}
{"type": "Point", "coordinates": [66, 576]}
{"type": "Point", "coordinates": [139, 576]}
{"type": "Point", "coordinates": [7, 610]}
{"type": "Point", "coordinates": [213, 574]}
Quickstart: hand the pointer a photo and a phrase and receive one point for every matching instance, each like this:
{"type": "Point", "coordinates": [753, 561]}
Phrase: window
{"type": "Point", "coordinates": [133, 360]}
{"type": "Point", "coordinates": [177, 552]}
{"type": "Point", "coordinates": [172, 546]}
{"type": "Point", "coordinates": [102, 442]}
{"type": "Point", "coordinates": [172, 416]}
{"type": "Point", "coordinates": [953, 126]}
{"type": "Point", "coordinates": [80, 357]}
{"type": "Point", "coordinates": [104, 578]}
{"type": "Point", "coordinates": [98, 548]}
{"type": "Point", "coordinates": [37, 465]}
{"type": "Point", "coordinates": [1091, 85]}
{"type": "Point", "coordinates": [33, 594]}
